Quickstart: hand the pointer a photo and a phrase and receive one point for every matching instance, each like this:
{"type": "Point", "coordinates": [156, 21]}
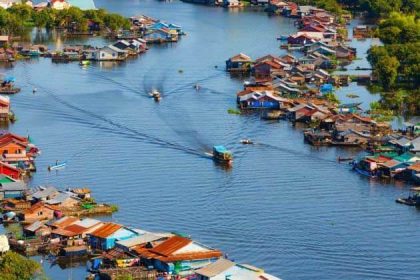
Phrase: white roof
{"type": "Point", "coordinates": [141, 239]}
{"type": "Point", "coordinates": [87, 222]}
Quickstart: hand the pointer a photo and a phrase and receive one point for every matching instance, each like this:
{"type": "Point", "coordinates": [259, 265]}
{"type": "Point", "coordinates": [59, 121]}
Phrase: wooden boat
{"type": "Point", "coordinates": [84, 63]}
{"type": "Point", "coordinates": [413, 199]}
{"type": "Point", "coordinates": [246, 141]}
{"type": "Point", "coordinates": [364, 172]}
{"type": "Point", "coordinates": [9, 90]}
{"type": "Point", "coordinates": [155, 94]}
{"type": "Point", "coordinates": [221, 154]}
{"type": "Point", "coordinates": [57, 166]}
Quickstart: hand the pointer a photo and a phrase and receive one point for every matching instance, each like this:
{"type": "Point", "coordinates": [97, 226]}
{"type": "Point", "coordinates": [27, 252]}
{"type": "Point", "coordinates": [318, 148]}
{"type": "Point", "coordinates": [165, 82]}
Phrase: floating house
{"type": "Point", "coordinates": [224, 269]}
{"type": "Point", "coordinates": [104, 237]}
{"type": "Point", "coordinates": [38, 212]}
{"type": "Point", "coordinates": [160, 36]}
{"type": "Point", "coordinates": [10, 188]}
{"type": "Point", "coordinates": [239, 63]}
{"type": "Point", "coordinates": [144, 237]}
{"type": "Point", "coordinates": [255, 99]}
{"type": "Point", "coordinates": [167, 26]}
{"type": "Point", "coordinates": [177, 255]}
{"type": "Point", "coordinates": [10, 170]}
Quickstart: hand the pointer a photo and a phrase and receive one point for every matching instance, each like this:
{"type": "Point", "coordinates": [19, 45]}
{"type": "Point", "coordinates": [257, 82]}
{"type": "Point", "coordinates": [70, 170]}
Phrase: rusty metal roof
{"type": "Point", "coordinates": [76, 229]}
{"type": "Point", "coordinates": [106, 230]}
{"type": "Point", "coordinates": [171, 245]}
{"type": "Point", "coordinates": [165, 251]}
{"type": "Point", "coordinates": [65, 221]}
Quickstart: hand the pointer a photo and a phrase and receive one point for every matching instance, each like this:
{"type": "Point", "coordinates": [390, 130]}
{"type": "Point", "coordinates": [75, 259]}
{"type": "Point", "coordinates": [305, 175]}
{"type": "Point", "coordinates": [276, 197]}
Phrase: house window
{"type": "Point", "coordinates": [18, 151]}
{"type": "Point", "coordinates": [5, 152]}
{"type": "Point", "coordinates": [103, 54]}
{"type": "Point", "coordinates": [113, 54]}
{"type": "Point", "coordinates": [40, 213]}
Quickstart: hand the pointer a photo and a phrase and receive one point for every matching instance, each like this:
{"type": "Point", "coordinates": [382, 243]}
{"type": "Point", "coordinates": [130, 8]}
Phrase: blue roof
{"type": "Point", "coordinates": [220, 149]}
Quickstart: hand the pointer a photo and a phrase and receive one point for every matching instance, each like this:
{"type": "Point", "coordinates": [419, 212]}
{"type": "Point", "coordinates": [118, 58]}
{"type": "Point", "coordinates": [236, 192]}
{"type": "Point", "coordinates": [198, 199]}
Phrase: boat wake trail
{"type": "Point", "coordinates": [122, 129]}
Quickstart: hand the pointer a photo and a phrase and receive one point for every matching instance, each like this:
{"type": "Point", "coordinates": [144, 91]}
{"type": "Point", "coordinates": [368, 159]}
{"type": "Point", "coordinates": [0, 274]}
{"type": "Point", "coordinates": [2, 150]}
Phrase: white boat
{"type": "Point", "coordinates": [246, 141]}
{"type": "Point", "coordinates": [57, 166]}
{"type": "Point", "coordinates": [155, 94]}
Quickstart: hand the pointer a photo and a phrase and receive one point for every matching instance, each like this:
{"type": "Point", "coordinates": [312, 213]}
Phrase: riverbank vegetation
{"type": "Point", "coordinates": [396, 65]}
{"type": "Point", "coordinates": [14, 20]}
{"type": "Point", "coordinates": [14, 266]}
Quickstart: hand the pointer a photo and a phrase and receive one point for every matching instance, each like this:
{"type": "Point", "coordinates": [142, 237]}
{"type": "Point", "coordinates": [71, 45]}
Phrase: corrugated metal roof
{"type": "Point", "coordinates": [64, 232]}
{"type": "Point", "coordinates": [106, 230]}
{"type": "Point", "coordinates": [215, 268]}
{"type": "Point", "coordinates": [87, 222]}
{"type": "Point", "coordinates": [144, 238]}
{"type": "Point", "coordinates": [171, 245]}
{"type": "Point", "coordinates": [76, 229]}
{"type": "Point", "coordinates": [65, 222]}
{"type": "Point", "coordinates": [33, 227]}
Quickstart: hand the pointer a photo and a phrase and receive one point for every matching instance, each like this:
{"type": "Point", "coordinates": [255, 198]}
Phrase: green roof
{"type": "Point", "coordinates": [387, 154]}
{"type": "Point", "coordinates": [5, 180]}
{"type": "Point", "coordinates": [404, 157]}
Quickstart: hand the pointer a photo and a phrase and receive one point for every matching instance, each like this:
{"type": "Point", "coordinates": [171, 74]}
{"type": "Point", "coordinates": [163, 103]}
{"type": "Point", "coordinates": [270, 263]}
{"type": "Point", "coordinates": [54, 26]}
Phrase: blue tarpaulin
{"type": "Point", "coordinates": [10, 79]}
{"type": "Point", "coordinates": [325, 88]}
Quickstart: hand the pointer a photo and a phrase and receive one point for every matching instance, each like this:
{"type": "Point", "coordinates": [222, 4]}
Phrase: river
{"type": "Point", "coordinates": [284, 206]}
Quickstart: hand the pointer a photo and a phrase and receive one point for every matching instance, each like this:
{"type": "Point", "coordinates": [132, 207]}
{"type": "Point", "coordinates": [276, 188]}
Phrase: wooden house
{"type": "Point", "coordinates": [177, 254]}
{"type": "Point", "coordinates": [110, 53]}
{"type": "Point", "coordinates": [13, 144]}
{"type": "Point", "coordinates": [37, 228]}
{"type": "Point", "coordinates": [239, 63]}
{"type": "Point", "coordinates": [266, 68]}
{"type": "Point", "coordinates": [39, 211]}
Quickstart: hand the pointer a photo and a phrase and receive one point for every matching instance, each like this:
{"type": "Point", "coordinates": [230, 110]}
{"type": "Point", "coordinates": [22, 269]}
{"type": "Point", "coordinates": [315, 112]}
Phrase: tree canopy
{"type": "Point", "coordinates": [14, 266]}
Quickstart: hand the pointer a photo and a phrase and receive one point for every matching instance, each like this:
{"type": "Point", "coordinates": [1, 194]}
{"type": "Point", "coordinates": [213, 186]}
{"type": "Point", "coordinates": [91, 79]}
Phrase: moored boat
{"type": "Point", "coordinates": [413, 199]}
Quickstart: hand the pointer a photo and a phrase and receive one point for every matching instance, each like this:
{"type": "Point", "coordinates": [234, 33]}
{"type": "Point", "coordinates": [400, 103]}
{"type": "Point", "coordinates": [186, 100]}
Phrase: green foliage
{"type": "Point", "coordinates": [15, 230]}
{"type": "Point", "coordinates": [234, 111]}
{"type": "Point", "coordinates": [399, 28]}
{"type": "Point", "coordinates": [14, 19]}
{"type": "Point", "coordinates": [331, 97]}
{"type": "Point", "coordinates": [14, 266]}
{"type": "Point", "coordinates": [114, 208]}
{"type": "Point", "coordinates": [116, 21]}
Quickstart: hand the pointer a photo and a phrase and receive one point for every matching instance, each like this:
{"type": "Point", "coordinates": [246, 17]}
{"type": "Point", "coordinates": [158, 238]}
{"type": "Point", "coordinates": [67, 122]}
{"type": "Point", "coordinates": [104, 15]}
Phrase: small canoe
{"type": "Point", "coordinates": [57, 166]}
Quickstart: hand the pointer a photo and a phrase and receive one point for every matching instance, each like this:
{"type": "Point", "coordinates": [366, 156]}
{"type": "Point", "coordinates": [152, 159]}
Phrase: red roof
{"type": "Point", "coordinates": [65, 221]}
{"type": "Point", "coordinates": [106, 230]}
{"type": "Point", "coordinates": [76, 229]}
